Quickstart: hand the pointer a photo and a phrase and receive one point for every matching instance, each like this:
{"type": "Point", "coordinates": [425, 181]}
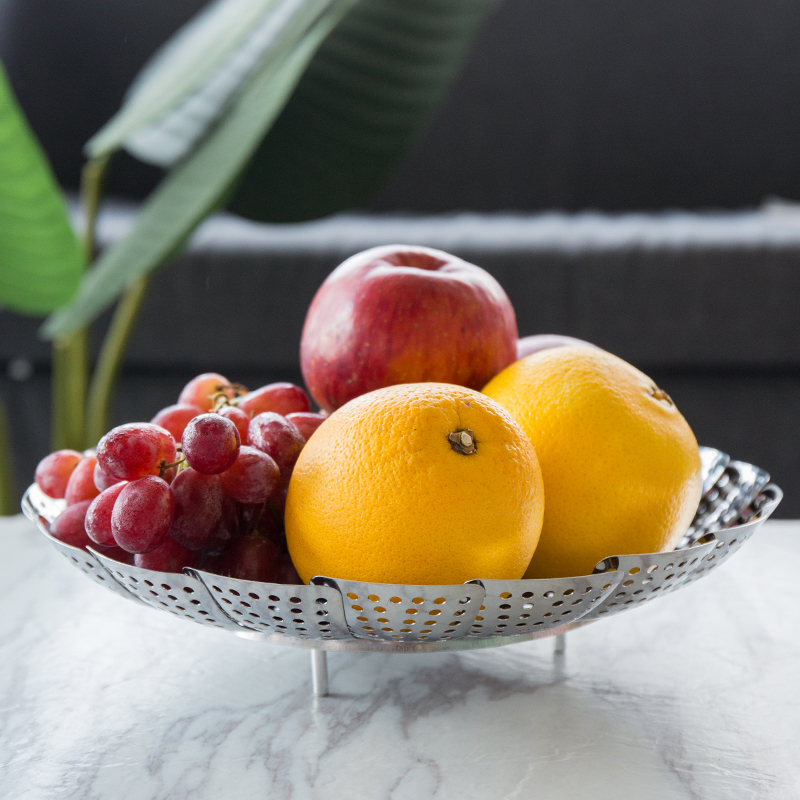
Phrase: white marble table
{"type": "Point", "coordinates": [693, 696]}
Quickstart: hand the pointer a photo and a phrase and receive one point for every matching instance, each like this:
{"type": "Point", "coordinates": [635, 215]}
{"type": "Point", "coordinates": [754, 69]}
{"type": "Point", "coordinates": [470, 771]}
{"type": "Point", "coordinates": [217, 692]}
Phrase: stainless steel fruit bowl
{"type": "Point", "coordinates": [335, 614]}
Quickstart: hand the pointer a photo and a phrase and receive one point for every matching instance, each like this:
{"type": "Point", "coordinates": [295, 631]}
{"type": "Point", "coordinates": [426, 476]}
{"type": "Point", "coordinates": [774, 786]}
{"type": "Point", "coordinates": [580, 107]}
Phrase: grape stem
{"type": "Point", "coordinates": [163, 466]}
{"type": "Point", "coordinates": [219, 400]}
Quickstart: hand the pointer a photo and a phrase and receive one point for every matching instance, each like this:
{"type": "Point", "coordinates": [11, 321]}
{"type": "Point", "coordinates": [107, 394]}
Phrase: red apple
{"type": "Point", "coordinates": [544, 341]}
{"type": "Point", "coordinates": [404, 314]}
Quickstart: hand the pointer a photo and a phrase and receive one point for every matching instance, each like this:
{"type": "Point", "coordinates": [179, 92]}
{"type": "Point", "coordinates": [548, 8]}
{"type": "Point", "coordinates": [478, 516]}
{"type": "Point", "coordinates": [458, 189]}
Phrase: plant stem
{"type": "Point", "coordinates": [109, 363]}
{"type": "Point", "coordinates": [70, 378]}
{"type": "Point", "coordinates": [71, 353]}
{"type": "Point", "coordinates": [92, 181]}
{"type": "Point", "coordinates": [7, 489]}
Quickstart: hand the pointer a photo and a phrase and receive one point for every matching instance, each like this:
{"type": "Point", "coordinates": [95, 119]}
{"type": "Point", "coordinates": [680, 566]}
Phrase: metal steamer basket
{"type": "Point", "coordinates": [335, 614]}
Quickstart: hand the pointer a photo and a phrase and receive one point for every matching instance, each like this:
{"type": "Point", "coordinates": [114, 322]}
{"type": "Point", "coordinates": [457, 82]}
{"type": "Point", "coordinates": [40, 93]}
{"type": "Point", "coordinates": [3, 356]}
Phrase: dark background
{"type": "Point", "coordinates": [616, 105]}
{"type": "Point", "coordinates": [570, 104]}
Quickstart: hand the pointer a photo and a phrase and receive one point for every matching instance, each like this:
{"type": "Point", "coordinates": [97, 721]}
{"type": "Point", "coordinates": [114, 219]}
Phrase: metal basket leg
{"type": "Point", "coordinates": [319, 672]}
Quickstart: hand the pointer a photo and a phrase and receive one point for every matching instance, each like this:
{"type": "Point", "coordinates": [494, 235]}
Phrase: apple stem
{"type": "Point", "coordinates": [463, 442]}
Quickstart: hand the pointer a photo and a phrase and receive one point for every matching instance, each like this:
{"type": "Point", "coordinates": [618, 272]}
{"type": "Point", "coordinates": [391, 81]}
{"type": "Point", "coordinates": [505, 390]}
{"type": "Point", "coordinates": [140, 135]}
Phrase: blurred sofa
{"type": "Point", "coordinates": [626, 107]}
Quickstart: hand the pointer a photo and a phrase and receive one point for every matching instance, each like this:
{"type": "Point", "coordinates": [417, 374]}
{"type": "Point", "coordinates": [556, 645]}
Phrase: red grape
{"type": "Point", "coordinates": [175, 418]}
{"type": "Point", "coordinates": [270, 526]}
{"type": "Point", "coordinates": [167, 557]}
{"type": "Point", "coordinates": [81, 484]}
{"type": "Point", "coordinates": [228, 529]}
{"type": "Point", "coordinates": [115, 553]}
{"type": "Point", "coordinates": [282, 398]}
{"type": "Point", "coordinates": [211, 562]}
{"type": "Point", "coordinates": [288, 572]}
{"type": "Point", "coordinates": [306, 422]}
{"type": "Point", "coordinates": [254, 558]}
{"type": "Point", "coordinates": [278, 498]}
{"type": "Point", "coordinates": [238, 418]}
{"type": "Point", "coordinates": [131, 451]}
{"type": "Point", "coordinates": [69, 526]}
{"type": "Point", "coordinates": [200, 391]}
{"type": "Point", "coordinates": [248, 515]}
{"type": "Point", "coordinates": [53, 472]}
{"type": "Point", "coordinates": [252, 478]}
{"type": "Point", "coordinates": [198, 508]}
{"type": "Point", "coordinates": [276, 437]}
{"type": "Point", "coordinates": [98, 517]}
{"type": "Point", "coordinates": [102, 480]}
{"type": "Point", "coordinates": [211, 443]}
{"type": "Point", "coordinates": [142, 515]}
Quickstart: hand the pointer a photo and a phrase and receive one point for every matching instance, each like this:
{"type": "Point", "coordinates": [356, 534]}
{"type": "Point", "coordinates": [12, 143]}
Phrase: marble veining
{"type": "Point", "coordinates": [695, 695]}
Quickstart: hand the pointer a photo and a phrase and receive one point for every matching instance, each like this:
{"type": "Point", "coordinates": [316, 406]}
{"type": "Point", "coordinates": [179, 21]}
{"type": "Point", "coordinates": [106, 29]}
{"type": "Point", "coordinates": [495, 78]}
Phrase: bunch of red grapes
{"type": "Point", "coordinates": [202, 485]}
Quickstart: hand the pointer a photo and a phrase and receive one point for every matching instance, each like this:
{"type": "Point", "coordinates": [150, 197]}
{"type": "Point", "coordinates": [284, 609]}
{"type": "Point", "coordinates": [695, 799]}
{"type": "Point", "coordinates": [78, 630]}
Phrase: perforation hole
{"type": "Point", "coordinates": [373, 598]}
{"type": "Point", "coordinates": [527, 594]}
{"type": "Point", "coordinates": [418, 601]}
{"type": "Point", "coordinates": [569, 592]}
{"type": "Point", "coordinates": [549, 594]}
{"type": "Point", "coordinates": [350, 595]}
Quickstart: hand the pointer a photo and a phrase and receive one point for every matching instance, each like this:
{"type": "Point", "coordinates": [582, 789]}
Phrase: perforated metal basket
{"type": "Point", "coordinates": [335, 614]}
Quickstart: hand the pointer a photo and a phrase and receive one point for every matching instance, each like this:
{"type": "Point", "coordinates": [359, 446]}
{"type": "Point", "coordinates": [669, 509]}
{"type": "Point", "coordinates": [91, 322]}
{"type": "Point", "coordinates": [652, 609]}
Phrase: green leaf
{"type": "Point", "coordinates": [196, 186]}
{"type": "Point", "coordinates": [174, 134]}
{"type": "Point", "coordinates": [185, 63]}
{"type": "Point", "coordinates": [40, 259]}
{"type": "Point", "coordinates": [364, 100]}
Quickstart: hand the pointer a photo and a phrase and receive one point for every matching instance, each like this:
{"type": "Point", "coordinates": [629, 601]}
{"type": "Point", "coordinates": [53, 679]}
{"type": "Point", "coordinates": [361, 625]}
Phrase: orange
{"type": "Point", "coordinates": [621, 465]}
{"type": "Point", "coordinates": [379, 493]}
